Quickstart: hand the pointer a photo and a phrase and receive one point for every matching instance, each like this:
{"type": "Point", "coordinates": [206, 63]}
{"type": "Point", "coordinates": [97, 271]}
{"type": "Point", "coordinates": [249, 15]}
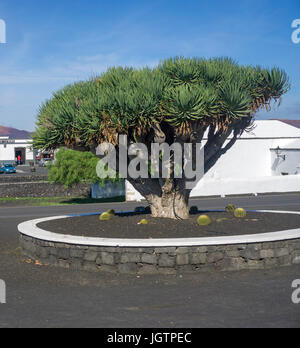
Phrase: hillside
{"type": "Point", "coordinates": [14, 133]}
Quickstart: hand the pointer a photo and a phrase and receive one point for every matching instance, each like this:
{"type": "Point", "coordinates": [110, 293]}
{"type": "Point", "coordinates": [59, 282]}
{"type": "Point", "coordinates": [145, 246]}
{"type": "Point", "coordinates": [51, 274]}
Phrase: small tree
{"type": "Point", "coordinates": [72, 167]}
{"type": "Point", "coordinates": [177, 102]}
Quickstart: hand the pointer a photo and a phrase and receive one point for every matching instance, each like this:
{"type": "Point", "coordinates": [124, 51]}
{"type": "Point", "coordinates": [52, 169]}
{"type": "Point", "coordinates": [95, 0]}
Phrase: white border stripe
{"type": "Point", "coordinates": [30, 229]}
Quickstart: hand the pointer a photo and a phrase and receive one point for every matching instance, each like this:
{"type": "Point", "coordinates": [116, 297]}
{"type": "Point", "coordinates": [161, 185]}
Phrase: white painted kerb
{"type": "Point", "coordinates": [30, 229]}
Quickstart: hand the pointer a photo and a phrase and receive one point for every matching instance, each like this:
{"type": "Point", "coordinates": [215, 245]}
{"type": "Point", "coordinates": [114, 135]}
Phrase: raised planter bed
{"type": "Point", "coordinates": [72, 243]}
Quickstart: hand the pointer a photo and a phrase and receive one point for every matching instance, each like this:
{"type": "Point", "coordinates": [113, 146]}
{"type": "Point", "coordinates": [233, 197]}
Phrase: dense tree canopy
{"type": "Point", "coordinates": [72, 167]}
{"type": "Point", "coordinates": [179, 100]}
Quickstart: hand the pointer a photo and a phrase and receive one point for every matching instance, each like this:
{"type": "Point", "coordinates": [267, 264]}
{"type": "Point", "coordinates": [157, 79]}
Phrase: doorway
{"type": "Point", "coordinates": [20, 152]}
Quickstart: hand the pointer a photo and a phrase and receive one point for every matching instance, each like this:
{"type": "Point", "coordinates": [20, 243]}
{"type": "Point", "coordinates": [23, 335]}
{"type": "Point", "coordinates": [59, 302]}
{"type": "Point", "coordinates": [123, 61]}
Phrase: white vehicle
{"type": "Point", "coordinates": [43, 162]}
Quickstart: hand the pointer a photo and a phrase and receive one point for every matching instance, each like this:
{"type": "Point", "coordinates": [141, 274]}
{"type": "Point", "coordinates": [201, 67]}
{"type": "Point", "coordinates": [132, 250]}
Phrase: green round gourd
{"type": "Point", "coordinates": [204, 220]}
{"type": "Point", "coordinates": [240, 213]}
{"type": "Point", "coordinates": [230, 208]}
{"type": "Point", "coordinates": [105, 217]}
{"type": "Point", "coordinates": [143, 222]}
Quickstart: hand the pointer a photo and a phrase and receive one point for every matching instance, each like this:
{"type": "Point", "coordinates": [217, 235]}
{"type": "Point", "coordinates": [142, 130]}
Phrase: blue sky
{"type": "Point", "coordinates": [53, 43]}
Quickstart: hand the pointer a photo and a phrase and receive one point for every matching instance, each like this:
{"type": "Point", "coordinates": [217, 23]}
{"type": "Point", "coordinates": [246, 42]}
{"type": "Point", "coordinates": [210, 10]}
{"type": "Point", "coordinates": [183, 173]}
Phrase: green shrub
{"type": "Point", "coordinates": [73, 167]}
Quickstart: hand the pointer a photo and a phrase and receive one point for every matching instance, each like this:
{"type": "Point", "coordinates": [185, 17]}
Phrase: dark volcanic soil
{"type": "Point", "coordinates": [126, 226]}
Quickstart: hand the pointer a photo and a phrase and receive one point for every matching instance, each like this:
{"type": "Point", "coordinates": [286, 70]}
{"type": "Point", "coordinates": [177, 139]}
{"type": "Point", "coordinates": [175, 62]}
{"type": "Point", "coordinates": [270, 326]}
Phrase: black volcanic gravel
{"type": "Point", "coordinates": [126, 226]}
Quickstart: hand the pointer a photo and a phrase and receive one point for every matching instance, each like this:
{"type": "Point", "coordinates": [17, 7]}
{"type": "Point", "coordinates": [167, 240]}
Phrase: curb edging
{"type": "Point", "coordinates": [167, 256]}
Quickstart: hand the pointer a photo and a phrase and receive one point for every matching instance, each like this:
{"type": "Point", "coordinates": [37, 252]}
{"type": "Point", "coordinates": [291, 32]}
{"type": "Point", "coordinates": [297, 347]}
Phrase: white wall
{"type": "Point", "coordinates": [29, 152]}
{"type": "Point", "coordinates": [248, 158]}
{"type": "Point", "coordinates": [250, 166]}
{"type": "Point", "coordinates": [131, 194]}
{"type": "Point", "coordinates": [229, 186]}
{"type": "Point", "coordinates": [8, 153]}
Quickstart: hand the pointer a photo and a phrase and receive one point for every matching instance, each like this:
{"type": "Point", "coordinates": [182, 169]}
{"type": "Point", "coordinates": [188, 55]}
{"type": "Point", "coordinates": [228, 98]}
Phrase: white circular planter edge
{"type": "Point", "coordinates": [30, 229]}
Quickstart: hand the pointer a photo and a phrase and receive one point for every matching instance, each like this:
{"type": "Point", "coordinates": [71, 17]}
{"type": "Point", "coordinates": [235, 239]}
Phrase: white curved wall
{"type": "Point", "coordinates": [251, 166]}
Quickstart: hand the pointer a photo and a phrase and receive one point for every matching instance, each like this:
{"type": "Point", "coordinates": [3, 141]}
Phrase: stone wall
{"type": "Point", "coordinates": [169, 260]}
{"type": "Point", "coordinates": [10, 179]}
{"type": "Point", "coordinates": [42, 189]}
{"type": "Point", "coordinates": [37, 185]}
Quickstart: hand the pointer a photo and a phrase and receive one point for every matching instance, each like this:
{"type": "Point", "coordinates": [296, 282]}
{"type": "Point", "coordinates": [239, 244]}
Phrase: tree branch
{"type": "Point", "coordinates": [214, 146]}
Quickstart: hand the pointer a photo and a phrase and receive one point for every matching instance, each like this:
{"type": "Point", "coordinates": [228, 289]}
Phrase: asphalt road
{"type": "Point", "coordinates": [24, 170]}
{"type": "Point", "coordinates": [53, 297]}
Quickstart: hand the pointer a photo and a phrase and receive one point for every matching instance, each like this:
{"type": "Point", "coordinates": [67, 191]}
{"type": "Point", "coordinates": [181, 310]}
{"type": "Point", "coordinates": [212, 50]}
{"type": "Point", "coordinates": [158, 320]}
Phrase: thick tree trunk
{"type": "Point", "coordinates": [170, 205]}
{"type": "Point", "coordinates": [165, 199]}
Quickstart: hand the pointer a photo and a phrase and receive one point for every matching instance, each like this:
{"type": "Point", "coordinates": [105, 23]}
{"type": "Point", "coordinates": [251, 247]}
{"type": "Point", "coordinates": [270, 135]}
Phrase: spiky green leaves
{"type": "Point", "coordinates": [181, 71]}
{"type": "Point", "coordinates": [58, 120]}
{"type": "Point", "coordinates": [276, 82]}
{"type": "Point", "coordinates": [182, 104]}
{"type": "Point", "coordinates": [131, 98]}
{"type": "Point", "coordinates": [235, 102]}
{"type": "Point", "coordinates": [130, 101]}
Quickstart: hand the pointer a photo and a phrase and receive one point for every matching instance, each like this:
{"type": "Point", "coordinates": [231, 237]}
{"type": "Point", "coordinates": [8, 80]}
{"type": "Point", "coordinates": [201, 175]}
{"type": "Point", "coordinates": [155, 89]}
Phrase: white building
{"type": "Point", "coordinates": [264, 161]}
{"type": "Point", "coordinates": [11, 148]}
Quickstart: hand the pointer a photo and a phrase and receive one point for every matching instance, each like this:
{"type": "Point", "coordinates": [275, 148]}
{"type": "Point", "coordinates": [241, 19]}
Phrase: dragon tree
{"type": "Point", "coordinates": [179, 101]}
